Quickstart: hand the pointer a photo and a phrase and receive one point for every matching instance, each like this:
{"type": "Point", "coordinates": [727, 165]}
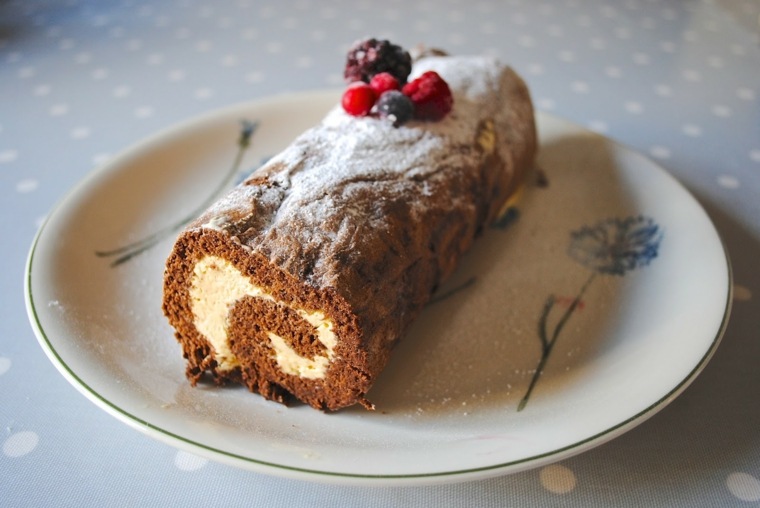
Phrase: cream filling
{"type": "Point", "coordinates": [486, 137]}
{"type": "Point", "coordinates": [216, 286]}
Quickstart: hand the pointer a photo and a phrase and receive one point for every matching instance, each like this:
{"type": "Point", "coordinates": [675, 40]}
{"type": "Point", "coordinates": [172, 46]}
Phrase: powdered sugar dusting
{"type": "Point", "coordinates": [474, 78]}
{"type": "Point", "coordinates": [332, 172]}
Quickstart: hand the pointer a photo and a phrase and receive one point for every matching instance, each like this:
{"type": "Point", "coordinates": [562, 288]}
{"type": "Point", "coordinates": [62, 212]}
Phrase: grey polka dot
{"type": "Point", "coordinates": [8, 156]}
{"type": "Point", "coordinates": [566, 56]}
{"type": "Point", "coordinates": [122, 91]}
{"type": "Point", "coordinates": [155, 59]}
{"type": "Point", "coordinates": [641, 58]}
{"type": "Point", "coordinates": [579, 87]}
{"type": "Point", "coordinates": [254, 77]}
{"type": "Point", "coordinates": [721, 111]}
{"type": "Point", "coordinates": [99, 73]}
{"type": "Point", "coordinates": [745, 93]}
{"type": "Point", "coordinates": [26, 72]}
{"type": "Point", "coordinates": [144, 112]}
{"type": "Point", "coordinates": [79, 133]}
{"type": "Point", "coordinates": [273, 47]}
{"type": "Point", "coordinates": [27, 185]}
{"type": "Point", "coordinates": [289, 23]}
{"type": "Point", "coordinates": [555, 31]}
{"type": "Point", "coordinates": [229, 61]}
{"type": "Point", "coordinates": [599, 126]}
{"type": "Point", "coordinates": [203, 46]}
{"type": "Point", "coordinates": [598, 43]}
{"type": "Point", "coordinates": [176, 75]}
{"type": "Point", "coordinates": [456, 39]}
{"type": "Point", "coordinates": [613, 72]}
{"type": "Point", "coordinates": [743, 486]}
{"type": "Point", "coordinates": [5, 365]}
{"type": "Point", "coordinates": [134, 45]}
{"type": "Point", "coordinates": [526, 41]}
{"type": "Point", "coordinates": [742, 293]}
{"type": "Point", "coordinates": [535, 69]}
{"type": "Point", "coordinates": [304, 62]}
{"type": "Point", "coordinates": [101, 158]}
{"type": "Point", "coordinates": [691, 75]}
{"type": "Point", "coordinates": [42, 90]}
{"type": "Point", "coordinates": [728, 181]}
{"type": "Point", "coordinates": [83, 58]}
{"type": "Point", "coordinates": [622, 33]}
{"type": "Point", "coordinates": [422, 26]}
{"type": "Point", "coordinates": [545, 103]}
{"type": "Point", "coordinates": [59, 109]}
{"type": "Point", "coordinates": [203, 93]}
{"type": "Point", "coordinates": [663, 90]}
{"type": "Point", "coordinates": [558, 479]}
{"type": "Point", "coordinates": [20, 444]}
{"type": "Point", "coordinates": [185, 461]}
{"type": "Point", "coordinates": [692, 130]}
{"type": "Point", "coordinates": [633, 107]}
{"type": "Point", "coordinates": [660, 152]}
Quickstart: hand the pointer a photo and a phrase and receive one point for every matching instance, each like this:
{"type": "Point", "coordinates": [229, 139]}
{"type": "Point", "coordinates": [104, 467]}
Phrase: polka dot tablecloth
{"type": "Point", "coordinates": [82, 80]}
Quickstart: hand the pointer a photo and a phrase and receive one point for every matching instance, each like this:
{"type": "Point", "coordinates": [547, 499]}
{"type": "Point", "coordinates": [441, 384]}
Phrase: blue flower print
{"type": "Point", "coordinates": [610, 247]}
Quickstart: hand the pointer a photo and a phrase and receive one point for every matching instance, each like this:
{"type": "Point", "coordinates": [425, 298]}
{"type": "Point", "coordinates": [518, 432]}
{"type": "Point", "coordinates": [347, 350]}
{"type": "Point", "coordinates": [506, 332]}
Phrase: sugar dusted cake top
{"type": "Point", "coordinates": [329, 167]}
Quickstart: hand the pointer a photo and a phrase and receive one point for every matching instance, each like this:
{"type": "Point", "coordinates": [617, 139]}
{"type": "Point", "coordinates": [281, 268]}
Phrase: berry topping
{"type": "Point", "coordinates": [358, 99]}
{"type": "Point", "coordinates": [383, 82]}
{"type": "Point", "coordinates": [373, 56]}
{"type": "Point", "coordinates": [431, 96]}
{"type": "Point", "coordinates": [377, 73]}
{"type": "Point", "coordinates": [395, 106]}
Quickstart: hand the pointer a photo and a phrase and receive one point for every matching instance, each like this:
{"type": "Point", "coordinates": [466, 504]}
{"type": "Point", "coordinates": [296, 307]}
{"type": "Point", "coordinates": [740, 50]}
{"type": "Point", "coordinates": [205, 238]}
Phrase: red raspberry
{"type": "Point", "coordinates": [383, 82]}
{"type": "Point", "coordinates": [431, 96]}
{"type": "Point", "coordinates": [358, 99]}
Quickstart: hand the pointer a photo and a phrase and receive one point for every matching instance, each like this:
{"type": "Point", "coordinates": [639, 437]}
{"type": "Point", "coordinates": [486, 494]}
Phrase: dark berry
{"type": "Point", "coordinates": [395, 106]}
{"type": "Point", "coordinates": [383, 82]}
{"type": "Point", "coordinates": [431, 96]}
{"type": "Point", "coordinates": [373, 56]}
{"type": "Point", "coordinates": [358, 99]}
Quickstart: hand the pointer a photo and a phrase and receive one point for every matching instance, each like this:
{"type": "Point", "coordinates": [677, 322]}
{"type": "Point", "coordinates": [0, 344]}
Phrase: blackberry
{"type": "Point", "coordinates": [373, 56]}
{"type": "Point", "coordinates": [395, 106]}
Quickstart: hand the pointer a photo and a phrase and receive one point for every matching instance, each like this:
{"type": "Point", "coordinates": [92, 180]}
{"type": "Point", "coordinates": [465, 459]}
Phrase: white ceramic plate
{"type": "Point", "coordinates": [606, 224]}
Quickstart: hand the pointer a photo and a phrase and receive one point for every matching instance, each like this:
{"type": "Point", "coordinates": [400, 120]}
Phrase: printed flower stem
{"type": "Point", "coordinates": [129, 251]}
{"type": "Point", "coordinates": [611, 247]}
{"type": "Point", "coordinates": [547, 344]}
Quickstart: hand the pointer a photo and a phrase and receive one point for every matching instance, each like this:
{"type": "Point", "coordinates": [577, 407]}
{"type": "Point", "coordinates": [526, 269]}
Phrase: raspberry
{"type": "Point", "coordinates": [395, 106]}
{"type": "Point", "coordinates": [383, 82]}
{"type": "Point", "coordinates": [358, 99]}
{"type": "Point", "coordinates": [431, 96]}
{"type": "Point", "coordinates": [372, 56]}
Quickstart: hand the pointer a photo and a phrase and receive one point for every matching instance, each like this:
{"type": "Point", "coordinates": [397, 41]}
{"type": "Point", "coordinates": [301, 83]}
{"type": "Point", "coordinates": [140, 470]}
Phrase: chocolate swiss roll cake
{"type": "Point", "coordinates": [299, 282]}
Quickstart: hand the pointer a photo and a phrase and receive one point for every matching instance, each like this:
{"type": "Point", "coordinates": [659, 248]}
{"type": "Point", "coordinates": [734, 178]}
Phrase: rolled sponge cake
{"type": "Point", "coordinates": [299, 282]}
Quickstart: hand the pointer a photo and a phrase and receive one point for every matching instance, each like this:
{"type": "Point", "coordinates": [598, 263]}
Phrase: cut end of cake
{"type": "Point", "coordinates": [241, 320]}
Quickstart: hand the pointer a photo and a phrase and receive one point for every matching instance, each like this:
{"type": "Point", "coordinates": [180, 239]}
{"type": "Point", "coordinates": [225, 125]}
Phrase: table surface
{"type": "Point", "coordinates": [82, 80]}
